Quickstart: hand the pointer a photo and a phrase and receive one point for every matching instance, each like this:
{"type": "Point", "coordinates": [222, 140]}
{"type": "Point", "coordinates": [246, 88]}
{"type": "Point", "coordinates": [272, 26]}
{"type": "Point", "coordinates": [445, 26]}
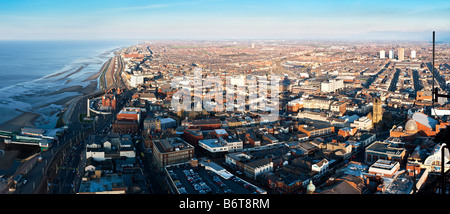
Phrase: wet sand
{"type": "Point", "coordinates": [25, 119]}
{"type": "Point", "coordinates": [28, 118]}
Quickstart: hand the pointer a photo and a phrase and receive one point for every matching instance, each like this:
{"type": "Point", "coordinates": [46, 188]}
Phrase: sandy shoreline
{"type": "Point", "coordinates": [29, 118]}
{"type": "Point", "coordinates": [25, 119]}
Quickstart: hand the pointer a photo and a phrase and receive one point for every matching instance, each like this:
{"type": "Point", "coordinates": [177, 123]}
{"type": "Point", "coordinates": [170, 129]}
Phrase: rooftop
{"type": "Point", "coordinates": [384, 147]}
{"type": "Point", "coordinates": [103, 184]}
{"type": "Point", "coordinates": [195, 180]}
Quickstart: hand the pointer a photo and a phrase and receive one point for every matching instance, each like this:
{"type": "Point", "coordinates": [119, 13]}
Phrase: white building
{"type": "Point", "coordinates": [384, 168]}
{"type": "Point", "coordinates": [320, 167]}
{"type": "Point", "coordinates": [391, 54]}
{"type": "Point", "coordinates": [331, 85]}
{"type": "Point", "coordinates": [221, 145]}
{"type": "Point", "coordinates": [363, 123]}
{"type": "Point", "coordinates": [433, 162]}
{"type": "Point", "coordinates": [413, 54]}
{"type": "Point", "coordinates": [136, 80]}
{"type": "Point", "coordinates": [382, 54]}
{"type": "Point", "coordinates": [114, 148]}
{"type": "Point", "coordinates": [249, 166]}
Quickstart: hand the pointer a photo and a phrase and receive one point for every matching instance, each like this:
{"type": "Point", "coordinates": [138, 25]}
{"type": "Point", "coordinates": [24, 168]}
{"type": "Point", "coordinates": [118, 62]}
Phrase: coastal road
{"type": "Point", "coordinates": [68, 178]}
{"type": "Point", "coordinates": [36, 175]}
{"type": "Point", "coordinates": [39, 178]}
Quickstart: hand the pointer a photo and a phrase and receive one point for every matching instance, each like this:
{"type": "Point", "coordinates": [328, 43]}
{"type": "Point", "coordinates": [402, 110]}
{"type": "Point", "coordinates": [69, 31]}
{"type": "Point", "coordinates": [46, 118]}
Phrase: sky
{"type": "Point", "coordinates": [223, 19]}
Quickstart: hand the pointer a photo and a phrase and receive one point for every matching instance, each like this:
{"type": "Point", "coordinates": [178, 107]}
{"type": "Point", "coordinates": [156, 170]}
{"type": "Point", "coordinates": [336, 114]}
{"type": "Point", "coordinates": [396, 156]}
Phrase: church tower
{"type": "Point", "coordinates": [377, 113]}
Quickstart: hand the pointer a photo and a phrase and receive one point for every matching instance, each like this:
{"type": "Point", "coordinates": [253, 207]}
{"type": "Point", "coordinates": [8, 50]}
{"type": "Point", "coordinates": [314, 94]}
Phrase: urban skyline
{"type": "Point", "coordinates": [186, 102]}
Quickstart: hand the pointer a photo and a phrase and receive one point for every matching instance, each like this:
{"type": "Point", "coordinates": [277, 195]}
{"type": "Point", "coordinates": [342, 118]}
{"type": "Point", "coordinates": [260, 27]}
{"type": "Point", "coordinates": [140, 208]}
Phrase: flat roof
{"type": "Point", "coordinates": [383, 147]}
{"type": "Point", "coordinates": [203, 176]}
{"type": "Point", "coordinates": [33, 130]}
{"type": "Point", "coordinates": [220, 131]}
{"type": "Point", "coordinates": [211, 142]}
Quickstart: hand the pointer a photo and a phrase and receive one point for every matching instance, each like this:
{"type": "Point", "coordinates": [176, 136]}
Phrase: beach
{"type": "Point", "coordinates": [40, 79]}
{"type": "Point", "coordinates": [29, 118]}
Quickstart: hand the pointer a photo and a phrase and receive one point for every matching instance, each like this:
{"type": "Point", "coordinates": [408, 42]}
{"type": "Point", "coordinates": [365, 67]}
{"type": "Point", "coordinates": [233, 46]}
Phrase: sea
{"type": "Point", "coordinates": [31, 70]}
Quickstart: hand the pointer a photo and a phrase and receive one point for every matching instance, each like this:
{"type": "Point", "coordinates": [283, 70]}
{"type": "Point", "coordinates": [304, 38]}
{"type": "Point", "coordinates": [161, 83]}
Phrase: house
{"type": "Point", "coordinates": [113, 148]}
{"type": "Point", "coordinates": [320, 167]}
{"type": "Point", "coordinates": [347, 131]}
{"type": "Point", "coordinates": [340, 149]}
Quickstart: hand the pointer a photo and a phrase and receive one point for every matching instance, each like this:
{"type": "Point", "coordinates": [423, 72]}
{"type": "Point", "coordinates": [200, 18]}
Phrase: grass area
{"type": "Point", "coordinates": [83, 115]}
{"type": "Point", "coordinates": [60, 122]}
{"type": "Point", "coordinates": [102, 76]}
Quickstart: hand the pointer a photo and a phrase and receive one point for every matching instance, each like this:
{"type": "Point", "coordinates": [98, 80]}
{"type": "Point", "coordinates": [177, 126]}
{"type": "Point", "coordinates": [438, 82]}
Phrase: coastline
{"type": "Point", "coordinates": [24, 119]}
{"type": "Point", "coordinates": [51, 113]}
{"type": "Point", "coordinates": [28, 118]}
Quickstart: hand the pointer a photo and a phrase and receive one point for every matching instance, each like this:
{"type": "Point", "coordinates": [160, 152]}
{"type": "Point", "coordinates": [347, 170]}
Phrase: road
{"type": "Point", "coordinates": [70, 166]}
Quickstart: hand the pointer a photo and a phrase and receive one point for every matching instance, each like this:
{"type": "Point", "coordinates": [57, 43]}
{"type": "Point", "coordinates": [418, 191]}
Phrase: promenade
{"type": "Point", "coordinates": [40, 174]}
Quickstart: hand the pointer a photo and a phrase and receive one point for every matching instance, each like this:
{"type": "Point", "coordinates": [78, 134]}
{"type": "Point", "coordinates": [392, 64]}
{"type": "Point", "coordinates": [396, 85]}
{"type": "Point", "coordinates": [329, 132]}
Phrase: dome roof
{"type": "Point", "coordinates": [411, 126]}
{"type": "Point", "coordinates": [310, 188]}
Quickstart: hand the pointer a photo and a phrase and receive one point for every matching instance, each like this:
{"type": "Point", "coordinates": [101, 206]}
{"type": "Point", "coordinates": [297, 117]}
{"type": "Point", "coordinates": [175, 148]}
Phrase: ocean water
{"type": "Point", "coordinates": [31, 71]}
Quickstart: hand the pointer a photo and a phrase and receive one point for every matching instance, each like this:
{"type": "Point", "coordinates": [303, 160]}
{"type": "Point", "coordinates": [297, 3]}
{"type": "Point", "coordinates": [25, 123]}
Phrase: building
{"type": "Point", "coordinates": [413, 54]}
{"type": "Point", "coordinates": [130, 114]}
{"type": "Point", "coordinates": [385, 151]}
{"type": "Point", "coordinates": [152, 124]}
{"type": "Point", "coordinates": [125, 127]}
{"type": "Point", "coordinates": [425, 125]}
{"type": "Point", "coordinates": [250, 166]}
{"type": "Point", "coordinates": [110, 99]}
{"type": "Point", "coordinates": [433, 162]}
{"type": "Point", "coordinates": [331, 85]}
{"type": "Point", "coordinates": [113, 148]}
{"type": "Point", "coordinates": [321, 167]}
{"type": "Point", "coordinates": [318, 129]}
{"type": "Point", "coordinates": [348, 184]}
{"type": "Point", "coordinates": [317, 103]}
{"type": "Point", "coordinates": [168, 123]}
{"type": "Point", "coordinates": [384, 168]}
{"type": "Point", "coordinates": [424, 96]}
{"type": "Point", "coordinates": [106, 184]}
{"type": "Point", "coordinates": [192, 136]}
{"type": "Point", "coordinates": [150, 97]}
{"type": "Point", "coordinates": [171, 151]}
{"type": "Point", "coordinates": [339, 149]}
{"type": "Point", "coordinates": [205, 124]}
{"type": "Point", "coordinates": [294, 105]}
{"type": "Point", "coordinates": [347, 131]}
{"type": "Point", "coordinates": [391, 54]}
{"type": "Point", "coordinates": [363, 123]}
{"type": "Point", "coordinates": [32, 131]}
{"type": "Point", "coordinates": [136, 80]}
{"type": "Point", "coordinates": [382, 54]}
{"type": "Point", "coordinates": [221, 145]}
{"type": "Point", "coordinates": [377, 112]}
{"type": "Point", "coordinates": [401, 54]}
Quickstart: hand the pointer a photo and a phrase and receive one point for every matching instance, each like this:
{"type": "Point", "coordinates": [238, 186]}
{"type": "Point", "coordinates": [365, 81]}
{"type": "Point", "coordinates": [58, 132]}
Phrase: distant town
{"type": "Point", "coordinates": [351, 118]}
